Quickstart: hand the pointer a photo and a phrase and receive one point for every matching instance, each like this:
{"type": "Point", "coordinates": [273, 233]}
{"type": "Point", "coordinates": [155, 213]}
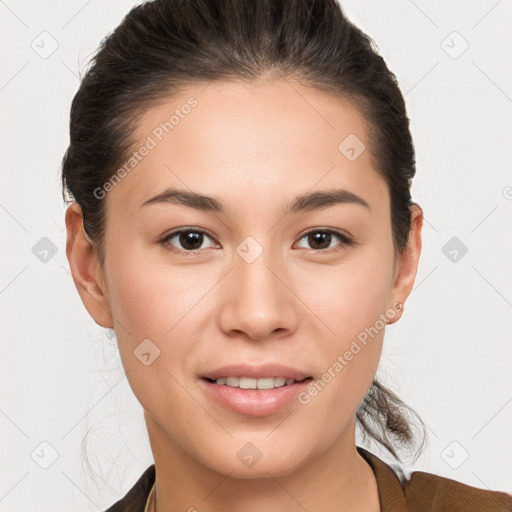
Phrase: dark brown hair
{"type": "Point", "coordinates": [164, 45]}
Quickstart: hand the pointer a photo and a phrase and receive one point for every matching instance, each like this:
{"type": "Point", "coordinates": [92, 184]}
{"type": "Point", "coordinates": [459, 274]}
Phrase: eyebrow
{"type": "Point", "coordinates": [303, 203]}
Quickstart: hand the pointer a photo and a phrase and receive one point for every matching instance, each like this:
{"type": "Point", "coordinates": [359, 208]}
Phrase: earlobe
{"type": "Point", "coordinates": [85, 268]}
{"type": "Point", "coordinates": [406, 265]}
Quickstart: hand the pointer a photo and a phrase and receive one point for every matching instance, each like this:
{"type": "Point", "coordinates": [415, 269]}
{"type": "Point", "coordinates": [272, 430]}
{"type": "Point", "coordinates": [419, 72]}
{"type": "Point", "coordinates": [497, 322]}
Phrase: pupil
{"type": "Point", "coordinates": [317, 238]}
{"type": "Point", "coordinates": [191, 237]}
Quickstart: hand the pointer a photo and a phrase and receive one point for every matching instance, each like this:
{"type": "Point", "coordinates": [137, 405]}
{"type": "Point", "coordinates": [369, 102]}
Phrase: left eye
{"type": "Point", "coordinates": [324, 237]}
{"type": "Point", "coordinates": [191, 240]}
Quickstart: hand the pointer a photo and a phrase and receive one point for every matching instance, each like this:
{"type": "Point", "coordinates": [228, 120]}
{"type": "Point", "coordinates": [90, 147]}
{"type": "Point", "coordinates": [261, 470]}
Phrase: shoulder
{"type": "Point", "coordinates": [135, 499]}
{"type": "Point", "coordinates": [419, 491]}
{"type": "Point", "coordinates": [428, 492]}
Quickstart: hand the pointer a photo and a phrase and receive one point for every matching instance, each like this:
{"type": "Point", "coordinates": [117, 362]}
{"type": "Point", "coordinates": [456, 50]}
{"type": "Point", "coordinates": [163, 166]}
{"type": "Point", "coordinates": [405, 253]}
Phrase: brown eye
{"type": "Point", "coordinates": [320, 240]}
{"type": "Point", "coordinates": [188, 240]}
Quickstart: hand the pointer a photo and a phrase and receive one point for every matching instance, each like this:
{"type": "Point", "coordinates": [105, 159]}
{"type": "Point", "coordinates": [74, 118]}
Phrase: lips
{"type": "Point", "coordinates": [256, 372]}
{"type": "Point", "coordinates": [253, 402]}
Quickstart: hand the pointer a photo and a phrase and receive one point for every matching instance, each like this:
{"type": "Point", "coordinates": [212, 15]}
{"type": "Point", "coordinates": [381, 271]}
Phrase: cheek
{"type": "Point", "coordinates": [351, 301]}
{"type": "Point", "coordinates": [163, 304]}
{"type": "Point", "coordinates": [350, 362]}
{"type": "Point", "coordinates": [152, 299]}
{"type": "Point", "coordinates": [150, 307]}
{"type": "Point", "coordinates": [349, 297]}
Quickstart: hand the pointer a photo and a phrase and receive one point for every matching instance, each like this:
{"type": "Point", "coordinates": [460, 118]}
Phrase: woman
{"type": "Point", "coordinates": [239, 175]}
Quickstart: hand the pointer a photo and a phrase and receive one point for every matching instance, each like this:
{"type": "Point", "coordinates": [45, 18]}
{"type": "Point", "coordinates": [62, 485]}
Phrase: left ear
{"type": "Point", "coordinates": [407, 263]}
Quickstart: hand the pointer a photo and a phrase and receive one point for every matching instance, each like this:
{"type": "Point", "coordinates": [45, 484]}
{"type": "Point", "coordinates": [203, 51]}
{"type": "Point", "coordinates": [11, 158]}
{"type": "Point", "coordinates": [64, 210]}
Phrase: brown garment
{"type": "Point", "coordinates": [420, 492]}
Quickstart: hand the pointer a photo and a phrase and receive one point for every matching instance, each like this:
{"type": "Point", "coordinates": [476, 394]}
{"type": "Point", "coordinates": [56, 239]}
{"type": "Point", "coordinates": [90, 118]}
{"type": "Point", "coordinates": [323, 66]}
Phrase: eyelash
{"type": "Point", "coordinates": [345, 240]}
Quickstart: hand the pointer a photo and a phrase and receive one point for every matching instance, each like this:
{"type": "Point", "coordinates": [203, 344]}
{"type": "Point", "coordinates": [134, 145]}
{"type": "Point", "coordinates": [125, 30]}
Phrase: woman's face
{"type": "Point", "coordinates": [259, 277]}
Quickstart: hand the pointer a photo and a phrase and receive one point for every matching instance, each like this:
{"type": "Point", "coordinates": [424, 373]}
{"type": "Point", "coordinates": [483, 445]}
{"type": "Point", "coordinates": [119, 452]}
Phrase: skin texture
{"type": "Point", "coordinates": [255, 147]}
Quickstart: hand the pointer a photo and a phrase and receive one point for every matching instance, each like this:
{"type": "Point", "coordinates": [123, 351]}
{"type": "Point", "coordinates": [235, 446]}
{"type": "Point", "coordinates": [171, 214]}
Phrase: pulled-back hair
{"type": "Point", "coordinates": [162, 46]}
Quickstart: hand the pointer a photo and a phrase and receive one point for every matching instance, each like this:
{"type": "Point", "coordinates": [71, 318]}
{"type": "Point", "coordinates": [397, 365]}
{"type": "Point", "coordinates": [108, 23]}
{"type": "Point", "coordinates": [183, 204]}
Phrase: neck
{"type": "Point", "coordinates": [338, 480]}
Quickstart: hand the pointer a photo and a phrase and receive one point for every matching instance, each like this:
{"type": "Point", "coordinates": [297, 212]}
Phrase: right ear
{"type": "Point", "coordinates": [86, 269]}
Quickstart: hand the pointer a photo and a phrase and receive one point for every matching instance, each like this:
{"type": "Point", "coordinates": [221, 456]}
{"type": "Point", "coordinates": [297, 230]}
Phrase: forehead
{"type": "Point", "coordinates": [252, 139]}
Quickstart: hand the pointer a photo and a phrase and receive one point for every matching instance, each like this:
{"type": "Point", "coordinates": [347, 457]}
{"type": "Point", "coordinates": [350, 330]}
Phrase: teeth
{"type": "Point", "coordinates": [250, 383]}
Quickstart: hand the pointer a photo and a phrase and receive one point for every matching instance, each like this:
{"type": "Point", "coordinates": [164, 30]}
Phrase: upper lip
{"type": "Point", "coordinates": [256, 371]}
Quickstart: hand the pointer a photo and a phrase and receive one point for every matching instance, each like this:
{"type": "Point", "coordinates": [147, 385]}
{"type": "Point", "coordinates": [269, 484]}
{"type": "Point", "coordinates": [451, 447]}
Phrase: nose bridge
{"type": "Point", "coordinates": [257, 301]}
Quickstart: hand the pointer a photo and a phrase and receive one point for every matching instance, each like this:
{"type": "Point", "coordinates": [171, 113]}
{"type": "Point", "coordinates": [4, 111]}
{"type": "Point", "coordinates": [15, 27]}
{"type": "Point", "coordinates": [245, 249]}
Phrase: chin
{"type": "Point", "coordinates": [251, 462]}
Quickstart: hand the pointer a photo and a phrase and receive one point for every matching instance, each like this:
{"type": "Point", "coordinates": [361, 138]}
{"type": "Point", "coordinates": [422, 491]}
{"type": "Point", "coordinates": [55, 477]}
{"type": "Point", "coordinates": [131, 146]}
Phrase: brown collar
{"type": "Point", "coordinates": [391, 494]}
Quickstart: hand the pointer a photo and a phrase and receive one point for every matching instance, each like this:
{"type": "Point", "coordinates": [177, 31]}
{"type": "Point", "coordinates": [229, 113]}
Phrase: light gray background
{"type": "Point", "coordinates": [449, 357]}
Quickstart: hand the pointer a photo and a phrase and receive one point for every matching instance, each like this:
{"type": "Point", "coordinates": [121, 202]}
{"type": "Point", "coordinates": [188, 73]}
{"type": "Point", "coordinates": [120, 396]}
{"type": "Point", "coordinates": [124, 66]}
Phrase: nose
{"type": "Point", "coordinates": [258, 299]}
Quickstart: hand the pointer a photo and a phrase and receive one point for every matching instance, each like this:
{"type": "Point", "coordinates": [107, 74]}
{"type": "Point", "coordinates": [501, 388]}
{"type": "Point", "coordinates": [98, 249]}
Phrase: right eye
{"type": "Point", "coordinates": [190, 239]}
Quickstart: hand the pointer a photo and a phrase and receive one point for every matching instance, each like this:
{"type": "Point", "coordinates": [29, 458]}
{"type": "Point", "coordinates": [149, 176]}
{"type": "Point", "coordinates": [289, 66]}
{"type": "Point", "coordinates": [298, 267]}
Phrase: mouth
{"type": "Point", "coordinates": [254, 397]}
{"type": "Point", "coordinates": [254, 390]}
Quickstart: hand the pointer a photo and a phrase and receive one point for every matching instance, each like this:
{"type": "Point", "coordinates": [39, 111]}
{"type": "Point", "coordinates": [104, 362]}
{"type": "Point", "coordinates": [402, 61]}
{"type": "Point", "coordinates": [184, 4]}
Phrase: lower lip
{"type": "Point", "coordinates": [254, 402]}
